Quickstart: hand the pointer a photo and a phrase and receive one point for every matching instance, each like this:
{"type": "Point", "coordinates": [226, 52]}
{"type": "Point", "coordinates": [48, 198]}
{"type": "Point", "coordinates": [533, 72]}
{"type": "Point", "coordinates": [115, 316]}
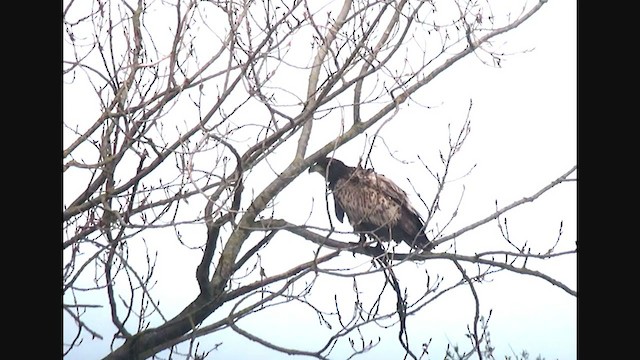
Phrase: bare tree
{"type": "Point", "coordinates": [198, 116]}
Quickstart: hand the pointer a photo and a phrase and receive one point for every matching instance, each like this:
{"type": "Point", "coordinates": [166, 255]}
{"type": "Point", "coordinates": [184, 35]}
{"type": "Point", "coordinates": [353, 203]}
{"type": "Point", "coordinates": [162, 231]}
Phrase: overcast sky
{"type": "Point", "coordinates": [523, 136]}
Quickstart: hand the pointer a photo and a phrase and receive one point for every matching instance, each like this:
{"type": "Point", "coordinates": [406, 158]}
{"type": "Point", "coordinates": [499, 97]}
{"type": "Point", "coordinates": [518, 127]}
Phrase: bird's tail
{"type": "Point", "coordinates": [422, 242]}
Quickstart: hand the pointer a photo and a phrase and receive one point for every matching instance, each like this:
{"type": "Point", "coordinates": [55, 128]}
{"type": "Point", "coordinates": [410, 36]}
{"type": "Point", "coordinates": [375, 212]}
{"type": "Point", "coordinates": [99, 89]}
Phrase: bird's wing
{"type": "Point", "coordinates": [390, 189]}
{"type": "Point", "coordinates": [384, 185]}
{"type": "Point", "coordinates": [339, 209]}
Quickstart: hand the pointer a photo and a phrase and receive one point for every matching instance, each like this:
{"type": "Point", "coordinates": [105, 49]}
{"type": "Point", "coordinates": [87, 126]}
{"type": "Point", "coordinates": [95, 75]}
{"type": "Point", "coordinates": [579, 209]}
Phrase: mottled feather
{"type": "Point", "coordinates": [373, 203]}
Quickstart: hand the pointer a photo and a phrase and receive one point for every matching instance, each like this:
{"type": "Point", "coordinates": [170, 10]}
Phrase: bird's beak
{"type": "Point", "coordinates": [316, 168]}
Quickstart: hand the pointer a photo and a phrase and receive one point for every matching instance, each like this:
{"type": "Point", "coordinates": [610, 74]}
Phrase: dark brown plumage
{"type": "Point", "coordinates": [373, 203]}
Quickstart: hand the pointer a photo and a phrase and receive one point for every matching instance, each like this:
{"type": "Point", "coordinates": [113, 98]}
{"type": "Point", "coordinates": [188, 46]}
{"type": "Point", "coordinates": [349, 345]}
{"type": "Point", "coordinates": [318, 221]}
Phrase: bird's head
{"type": "Point", "coordinates": [331, 169]}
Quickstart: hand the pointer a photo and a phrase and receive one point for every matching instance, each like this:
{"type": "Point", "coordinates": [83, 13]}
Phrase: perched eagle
{"type": "Point", "coordinates": [373, 203]}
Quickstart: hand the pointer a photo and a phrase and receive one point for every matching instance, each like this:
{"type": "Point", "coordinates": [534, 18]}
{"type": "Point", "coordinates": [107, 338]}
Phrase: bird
{"type": "Point", "coordinates": [374, 204]}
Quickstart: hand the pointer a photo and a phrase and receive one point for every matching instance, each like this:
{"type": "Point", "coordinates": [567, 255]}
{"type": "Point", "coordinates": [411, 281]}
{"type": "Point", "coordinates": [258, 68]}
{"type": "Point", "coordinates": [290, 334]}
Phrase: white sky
{"type": "Point", "coordinates": [523, 137]}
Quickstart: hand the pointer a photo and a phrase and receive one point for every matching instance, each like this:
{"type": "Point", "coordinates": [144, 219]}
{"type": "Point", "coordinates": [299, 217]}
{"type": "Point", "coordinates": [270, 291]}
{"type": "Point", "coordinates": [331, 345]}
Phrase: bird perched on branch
{"type": "Point", "coordinates": [373, 203]}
